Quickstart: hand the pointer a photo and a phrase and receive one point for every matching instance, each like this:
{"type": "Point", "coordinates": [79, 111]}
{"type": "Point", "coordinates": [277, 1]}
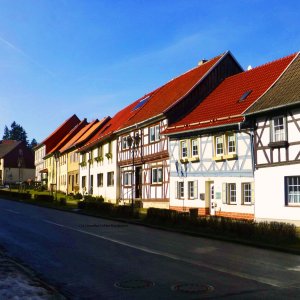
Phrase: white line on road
{"type": "Point", "coordinates": [175, 257]}
{"type": "Point", "coordinates": [12, 211]}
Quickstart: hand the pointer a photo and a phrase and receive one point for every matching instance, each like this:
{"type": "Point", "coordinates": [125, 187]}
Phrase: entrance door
{"type": "Point", "coordinates": [212, 199]}
{"type": "Point", "coordinates": [138, 182]}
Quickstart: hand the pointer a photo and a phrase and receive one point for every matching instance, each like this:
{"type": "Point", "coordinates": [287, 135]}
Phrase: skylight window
{"type": "Point", "coordinates": [141, 103]}
{"type": "Point", "coordinates": [245, 95]}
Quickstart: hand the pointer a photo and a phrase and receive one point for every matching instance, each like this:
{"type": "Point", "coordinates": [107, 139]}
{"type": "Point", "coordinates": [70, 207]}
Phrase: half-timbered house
{"type": "Point", "coordinates": [143, 155]}
{"type": "Point", "coordinates": [276, 119]}
{"type": "Point", "coordinates": [211, 149]}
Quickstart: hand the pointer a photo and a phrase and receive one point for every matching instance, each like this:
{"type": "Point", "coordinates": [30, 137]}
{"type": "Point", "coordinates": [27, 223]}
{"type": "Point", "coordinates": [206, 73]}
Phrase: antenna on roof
{"type": "Point", "coordinates": [202, 61]}
{"type": "Point", "coordinates": [249, 67]}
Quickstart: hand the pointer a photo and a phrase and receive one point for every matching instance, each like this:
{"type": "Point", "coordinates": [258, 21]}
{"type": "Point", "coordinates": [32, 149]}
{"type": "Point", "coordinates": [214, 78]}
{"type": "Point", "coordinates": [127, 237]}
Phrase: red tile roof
{"type": "Point", "coordinates": [56, 136]}
{"type": "Point", "coordinates": [112, 125]}
{"type": "Point", "coordinates": [68, 136]}
{"type": "Point", "coordinates": [173, 91]}
{"type": "Point", "coordinates": [86, 132]}
{"type": "Point", "coordinates": [222, 106]}
{"type": "Point", "coordinates": [158, 101]}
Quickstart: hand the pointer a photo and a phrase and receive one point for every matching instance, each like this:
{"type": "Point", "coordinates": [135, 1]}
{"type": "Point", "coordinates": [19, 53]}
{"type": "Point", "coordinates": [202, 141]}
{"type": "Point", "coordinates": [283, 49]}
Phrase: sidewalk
{"type": "Point", "coordinates": [17, 282]}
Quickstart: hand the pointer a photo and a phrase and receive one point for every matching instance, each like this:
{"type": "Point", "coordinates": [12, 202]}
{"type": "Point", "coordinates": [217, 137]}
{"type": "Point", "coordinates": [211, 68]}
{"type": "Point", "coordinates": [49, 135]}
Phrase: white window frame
{"type": "Point", "coordinates": [125, 145]}
{"type": "Point", "coordinates": [155, 178]}
{"type": "Point", "coordinates": [127, 177]}
{"type": "Point", "coordinates": [182, 151]}
{"type": "Point", "coordinates": [179, 189]}
{"type": "Point", "coordinates": [247, 193]}
{"type": "Point", "coordinates": [221, 137]}
{"type": "Point", "coordinates": [231, 135]}
{"type": "Point", "coordinates": [229, 193]}
{"type": "Point", "coordinates": [192, 189]}
{"type": "Point", "coordinates": [154, 133]}
{"type": "Point", "coordinates": [279, 134]}
{"type": "Point", "coordinates": [292, 190]}
{"type": "Point", "coordinates": [194, 148]}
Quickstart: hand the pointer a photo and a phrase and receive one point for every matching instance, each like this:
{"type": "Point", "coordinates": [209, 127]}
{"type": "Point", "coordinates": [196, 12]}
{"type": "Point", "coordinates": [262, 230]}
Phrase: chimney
{"type": "Point", "coordinates": [202, 61]}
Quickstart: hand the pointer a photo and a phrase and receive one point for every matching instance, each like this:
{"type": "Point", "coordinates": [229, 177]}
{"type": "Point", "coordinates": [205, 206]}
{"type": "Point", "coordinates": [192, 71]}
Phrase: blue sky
{"type": "Point", "coordinates": [92, 58]}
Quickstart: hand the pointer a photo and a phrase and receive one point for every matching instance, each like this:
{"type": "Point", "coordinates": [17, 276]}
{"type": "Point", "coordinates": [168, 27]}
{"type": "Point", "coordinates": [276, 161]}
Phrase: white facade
{"type": "Point", "coordinates": [99, 172]}
{"type": "Point", "coordinates": [213, 173]}
{"type": "Point", "coordinates": [278, 167]}
{"type": "Point", "coordinates": [39, 162]}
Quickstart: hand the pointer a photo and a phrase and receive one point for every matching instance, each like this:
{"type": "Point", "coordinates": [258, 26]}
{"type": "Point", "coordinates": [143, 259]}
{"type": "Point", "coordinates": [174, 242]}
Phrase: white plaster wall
{"type": "Point", "coordinates": [269, 194]}
{"type": "Point", "coordinates": [110, 193]}
{"type": "Point", "coordinates": [39, 161]}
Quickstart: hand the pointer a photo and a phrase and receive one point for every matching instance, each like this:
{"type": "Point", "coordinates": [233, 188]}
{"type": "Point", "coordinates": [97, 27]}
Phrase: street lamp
{"type": "Point", "coordinates": [133, 142]}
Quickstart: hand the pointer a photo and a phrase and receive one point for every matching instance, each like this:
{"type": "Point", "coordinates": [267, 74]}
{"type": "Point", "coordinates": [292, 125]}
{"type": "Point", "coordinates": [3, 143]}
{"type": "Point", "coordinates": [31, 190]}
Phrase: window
{"type": "Point", "coordinates": [100, 151]}
{"type": "Point", "coordinates": [183, 149]}
{"type": "Point", "coordinates": [84, 157]}
{"type": "Point", "coordinates": [232, 192]}
{"type": "Point", "coordinates": [83, 181]}
{"type": "Point", "coordinates": [154, 133]}
{"type": "Point", "coordinates": [100, 179]}
{"type": "Point", "coordinates": [246, 193]}
{"type": "Point", "coordinates": [125, 143]}
{"type": "Point", "coordinates": [157, 175]}
{"type": "Point", "coordinates": [180, 190]}
{"type": "Point", "coordinates": [127, 178]}
{"type": "Point", "coordinates": [229, 193]}
{"type": "Point", "coordinates": [192, 189]}
{"type": "Point", "coordinates": [110, 147]}
{"type": "Point", "coordinates": [219, 145]}
{"type": "Point", "coordinates": [195, 147]}
{"type": "Point", "coordinates": [76, 179]}
{"type": "Point", "coordinates": [231, 143]}
{"type": "Point", "coordinates": [278, 126]}
{"type": "Point", "coordinates": [292, 190]}
{"type": "Point", "coordinates": [110, 178]}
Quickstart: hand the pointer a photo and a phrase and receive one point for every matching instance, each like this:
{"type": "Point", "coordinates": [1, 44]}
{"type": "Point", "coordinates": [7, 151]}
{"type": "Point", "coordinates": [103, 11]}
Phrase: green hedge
{"type": "Point", "coordinates": [110, 209]}
{"type": "Point", "coordinates": [271, 232]}
{"type": "Point", "coordinates": [43, 197]}
{"type": "Point", "coordinates": [15, 195]}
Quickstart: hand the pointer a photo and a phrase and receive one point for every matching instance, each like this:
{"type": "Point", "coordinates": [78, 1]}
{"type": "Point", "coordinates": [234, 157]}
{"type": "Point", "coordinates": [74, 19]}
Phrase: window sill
{"type": "Point", "coordinates": [218, 158]}
{"type": "Point", "coordinates": [293, 205]}
{"type": "Point", "coordinates": [184, 160]}
{"type": "Point", "coordinates": [280, 144]}
{"type": "Point", "coordinates": [156, 183]}
{"type": "Point", "coordinates": [230, 156]}
{"type": "Point", "coordinates": [194, 159]}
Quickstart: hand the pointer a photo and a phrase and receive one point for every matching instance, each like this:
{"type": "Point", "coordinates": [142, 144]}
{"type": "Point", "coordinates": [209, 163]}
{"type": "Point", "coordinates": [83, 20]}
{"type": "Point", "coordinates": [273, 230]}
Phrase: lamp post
{"type": "Point", "coordinates": [133, 142]}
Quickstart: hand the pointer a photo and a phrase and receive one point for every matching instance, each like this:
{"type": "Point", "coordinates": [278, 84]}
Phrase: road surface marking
{"type": "Point", "coordinates": [297, 269]}
{"type": "Point", "coordinates": [12, 211]}
{"type": "Point", "coordinates": [174, 257]}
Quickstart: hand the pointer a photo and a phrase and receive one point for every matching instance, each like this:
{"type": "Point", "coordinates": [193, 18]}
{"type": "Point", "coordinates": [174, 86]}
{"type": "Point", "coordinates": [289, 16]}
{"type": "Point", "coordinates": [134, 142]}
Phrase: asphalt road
{"type": "Point", "coordinates": [92, 258]}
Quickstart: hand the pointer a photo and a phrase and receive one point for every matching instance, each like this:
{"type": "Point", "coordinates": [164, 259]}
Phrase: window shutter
{"type": "Point", "coordinates": [286, 193]}
{"type": "Point", "coordinates": [252, 192]}
{"type": "Point", "coordinates": [243, 194]}
{"type": "Point", "coordinates": [196, 189]}
{"type": "Point", "coordinates": [271, 130]}
{"type": "Point", "coordinates": [177, 190]}
{"type": "Point", "coordinates": [285, 127]}
{"type": "Point", "coordinates": [224, 193]}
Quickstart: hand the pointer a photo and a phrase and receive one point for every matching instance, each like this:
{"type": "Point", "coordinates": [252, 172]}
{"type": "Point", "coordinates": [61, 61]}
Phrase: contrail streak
{"type": "Point", "coordinates": [18, 50]}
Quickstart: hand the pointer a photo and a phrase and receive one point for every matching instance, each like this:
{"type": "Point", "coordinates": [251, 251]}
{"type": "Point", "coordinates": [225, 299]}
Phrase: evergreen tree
{"type": "Point", "coordinates": [33, 143]}
{"type": "Point", "coordinates": [17, 133]}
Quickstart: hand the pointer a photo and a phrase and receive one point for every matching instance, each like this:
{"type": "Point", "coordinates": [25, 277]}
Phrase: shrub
{"type": "Point", "coordinates": [81, 204]}
{"type": "Point", "coordinates": [78, 196]}
{"type": "Point", "coordinates": [62, 201]}
{"type": "Point", "coordinates": [15, 195]}
{"type": "Point", "coordinates": [138, 204]}
{"type": "Point", "coordinates": [43, 197]}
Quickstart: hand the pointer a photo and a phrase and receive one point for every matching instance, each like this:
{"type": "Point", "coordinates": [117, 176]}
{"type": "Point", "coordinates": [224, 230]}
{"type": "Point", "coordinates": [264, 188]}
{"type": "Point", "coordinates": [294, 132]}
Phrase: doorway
{"type": "Point", "coordinates": [138, 182]}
